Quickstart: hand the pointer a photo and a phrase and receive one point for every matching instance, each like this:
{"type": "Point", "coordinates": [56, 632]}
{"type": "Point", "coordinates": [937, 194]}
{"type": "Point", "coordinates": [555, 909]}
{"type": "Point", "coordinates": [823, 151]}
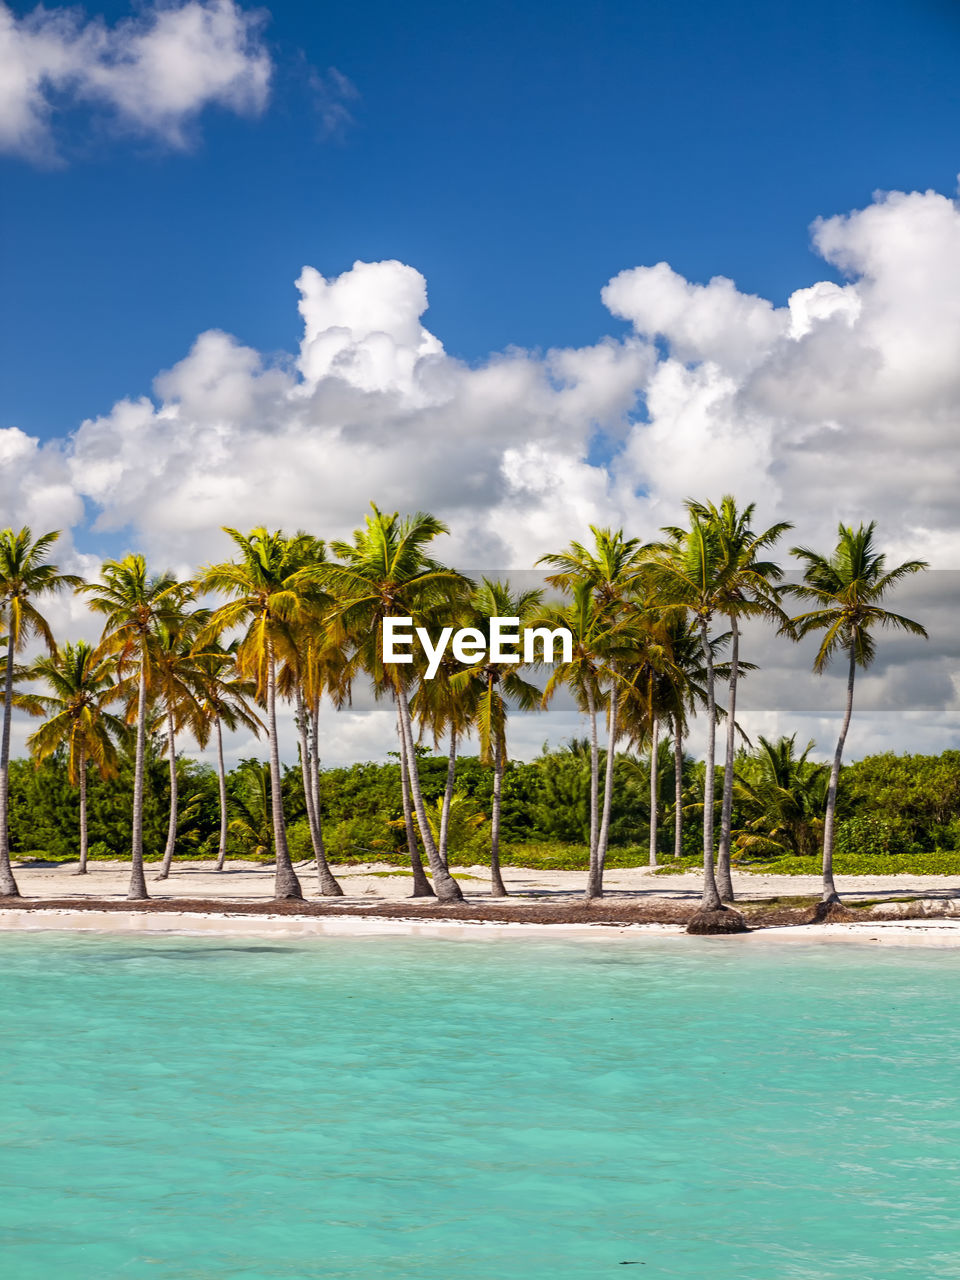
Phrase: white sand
{"type": "Point", "coordinates": [249, 881]}
{"type": "Point", "coordinates": [368, 882]}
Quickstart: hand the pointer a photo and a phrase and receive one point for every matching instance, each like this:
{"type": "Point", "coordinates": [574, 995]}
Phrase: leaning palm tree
{"type": "Point", "coordinates": [224, 699]}
{"type": "Point", "coordinates": [135, 604]}
{"type": "Point", "coordinates": [685, 694]}
{"type": "Point", "coordinates": [749, 590]}
{"type": "Point", "coordinates": [490, 688]}
{"type": "Point", "coordinates": [386, 572]}
{"type": "Point", "coordinates": [444, 710]}
{"type": "Point", "coordinates": [313, 666]}
{"type": "Point", "coordinates": [271, 588]}
{"type": "Point", "coordinates": [689, 575]}
{"type": "Point", "coordinates": [176, 683]}
{"type": "Point", "coordinates": [25, 573]}
{"type": "Point", "coordinates": [589, 622]}
{"type": "Point", "coordinates": [611, 570]}
{"type": "Point", "coordinates": [649, 676]}
{"type": "Point", "coordinates": [848, 587]}
{"type": "Point", "coordinates": [82, 685]}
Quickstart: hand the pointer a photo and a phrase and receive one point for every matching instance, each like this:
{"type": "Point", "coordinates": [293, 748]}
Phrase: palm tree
{"type": "Point", "coordinates": [313, 666]}
{"type": "Point", "coordinates": [848, 587]}
{"type": "Point", "coordinates": [25, 573]}
{"type": "Point", "coordinates": [421, 885]}
{"type": "Point", "coordinates": [684, 694]}
{"type": "Point", "coordinates": [444, 710]}
{"type": "Point", "coordinates": [489, 688]}
{"type": "Point", "coordinates": [611, 571]}
{"type": "Point", "coordinates": [82, 686]}
{"type": "Point", "coordinates": [272, 587]}
{"type": "Point", "coordinates": [588, 621]}
{"type": "Point", "coordinates": [327, 670]}
{"type": "Point", "coordinates": [650, 679]}
{"type": "Point", "coordinates": [177, 680]}
{"type": "Point", "coordinates": [782, 796]}
{"type": "Point", "coordinates": [224, 698]}
{"type": "Point", "coordinates": [135, 604]}
{"type": "Point", "coordinates": [749, 590]}
{"type": "Point", "coordinates": [386, 572]}
{"type": "Point", "coordinates": [689, 574]}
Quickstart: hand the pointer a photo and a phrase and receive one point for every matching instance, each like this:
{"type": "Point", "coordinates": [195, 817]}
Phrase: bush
{"type": "Point", "coordinates": [366, 838]}
{"type": "Point", "coordinates": [867, 836]}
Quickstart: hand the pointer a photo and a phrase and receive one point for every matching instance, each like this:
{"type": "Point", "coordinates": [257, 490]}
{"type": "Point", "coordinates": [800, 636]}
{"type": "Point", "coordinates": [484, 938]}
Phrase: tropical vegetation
{"type": "Point", "coordinates": [656, 631]}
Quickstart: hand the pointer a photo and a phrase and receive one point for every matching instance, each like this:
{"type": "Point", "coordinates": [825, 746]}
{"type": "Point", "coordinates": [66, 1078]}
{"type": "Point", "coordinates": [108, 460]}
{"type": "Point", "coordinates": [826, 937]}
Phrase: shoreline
{"type": "Point", "coordinates": [288, 926]}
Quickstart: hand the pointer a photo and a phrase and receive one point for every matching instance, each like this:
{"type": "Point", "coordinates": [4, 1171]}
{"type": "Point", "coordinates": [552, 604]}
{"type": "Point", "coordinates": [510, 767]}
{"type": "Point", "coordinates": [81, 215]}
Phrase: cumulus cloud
{"type": "Point", "coordinates": [153, 74]}
{"type": "Point", "coordinates": [843, 404]}
{"type": "Point", "coordinates": [371, 408]}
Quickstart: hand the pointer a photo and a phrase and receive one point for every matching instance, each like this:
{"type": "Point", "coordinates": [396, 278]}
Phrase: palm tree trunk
{"type": "Point", "coordinates": [82, 763]}
{"type": "Point", "coordinates": [8, 885]}
{"type": "Point", "coordinates": [138, 883]}
{"type": "Point", "coordinates": [595, 886]}
{"type": "Point", "coordinates": [326, 882]}
{"type": "Point", "coordinates": [724, 879]}
{"type": "Point", "coordinates": [654, 762]}
{"type": "Point", "coordinates": [677, 789]}
{"type": "Point", "coordinates": [172, 823]}
{"type": "Point", "coordinates": [314, 759]}
{"type": "Point", "coordinates": [286, 884]}
{"type": "Point", "coordinates": [594, 778]}
{"type": "Point", "coordinates": [447, 799]}
{"type": "Point", "coordinates": [497, 888]}
{"type": "Point", "coordinates": [829, 888]}
{"type": "Point", "coordinates": [422, 887]}
{"type": "Point", "coordinates": [222, 788]}
{"type": "Point", "coordinates": [711, 898]}
{"type": "Point", "coordinates": [446, 887]}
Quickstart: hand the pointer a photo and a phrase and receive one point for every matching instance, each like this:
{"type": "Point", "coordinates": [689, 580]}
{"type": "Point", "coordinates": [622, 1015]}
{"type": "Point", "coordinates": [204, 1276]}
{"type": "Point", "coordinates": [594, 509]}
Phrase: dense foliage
{"type": "Point", "coordinates": [897, 813]}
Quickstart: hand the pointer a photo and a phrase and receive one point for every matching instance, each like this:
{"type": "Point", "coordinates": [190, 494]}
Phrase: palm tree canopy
{"type": "Point", "coordinates": [491, 687]}
{"type": "Point", "coordinates": [386, 572]}
{"type": "Point", "coordinates": [272, 585]}
{"type": "Point", "coordinates": [748, 582]}
{"type": "Point", "coordinates": [608, 569]}
{"type": "Point", "coordinates": [25, 572]}
{"type": "Point", "coordinates": [134, 602]}
{"type": "Point", "coordinates": [222, 692]}
{"type": "Point", "coordinates": [82, 685]}
{"type": "Point", "coordinates": [848, 586]}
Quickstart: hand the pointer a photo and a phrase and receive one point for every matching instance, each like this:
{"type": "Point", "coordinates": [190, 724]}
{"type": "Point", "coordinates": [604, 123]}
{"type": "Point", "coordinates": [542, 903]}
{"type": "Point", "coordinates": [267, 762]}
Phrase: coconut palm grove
{"type": "Point", "coordinates": [656, 642]}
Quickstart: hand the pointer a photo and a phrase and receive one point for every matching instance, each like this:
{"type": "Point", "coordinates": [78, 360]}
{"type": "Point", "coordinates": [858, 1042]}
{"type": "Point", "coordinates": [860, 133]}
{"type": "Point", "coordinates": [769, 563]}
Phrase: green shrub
{"type": "Point", "coordinates": [867, 835]}
{"type": "Point", "coordinates": [365, 838]}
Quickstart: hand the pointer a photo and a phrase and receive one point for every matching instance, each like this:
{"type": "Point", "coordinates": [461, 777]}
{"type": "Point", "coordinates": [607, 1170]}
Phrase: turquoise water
{"type": "Point", "coordinates": [394, 1107]}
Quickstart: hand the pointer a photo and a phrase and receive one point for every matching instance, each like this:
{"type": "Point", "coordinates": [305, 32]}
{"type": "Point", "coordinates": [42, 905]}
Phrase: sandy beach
{"type": "Point", "coordinates": [376, 902]}
{"type": "Point", "coordinates": [364, 882]}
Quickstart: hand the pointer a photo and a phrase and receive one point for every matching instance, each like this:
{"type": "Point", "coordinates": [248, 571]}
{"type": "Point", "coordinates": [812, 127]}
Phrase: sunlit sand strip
{"type": "Point", "coordinates": [926, 933]}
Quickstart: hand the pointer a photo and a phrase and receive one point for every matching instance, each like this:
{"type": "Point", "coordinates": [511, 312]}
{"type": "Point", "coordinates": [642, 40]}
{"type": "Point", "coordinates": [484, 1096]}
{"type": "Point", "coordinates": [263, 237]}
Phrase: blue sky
{"type": "Point", "coordinates": [518, 155]}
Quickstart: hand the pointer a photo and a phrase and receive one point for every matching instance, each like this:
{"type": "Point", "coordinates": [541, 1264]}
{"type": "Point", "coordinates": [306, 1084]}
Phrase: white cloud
{"type": "Point", "coordinates": [153, 74]}
{"type": "Point", "coordinates": [844, 404]}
